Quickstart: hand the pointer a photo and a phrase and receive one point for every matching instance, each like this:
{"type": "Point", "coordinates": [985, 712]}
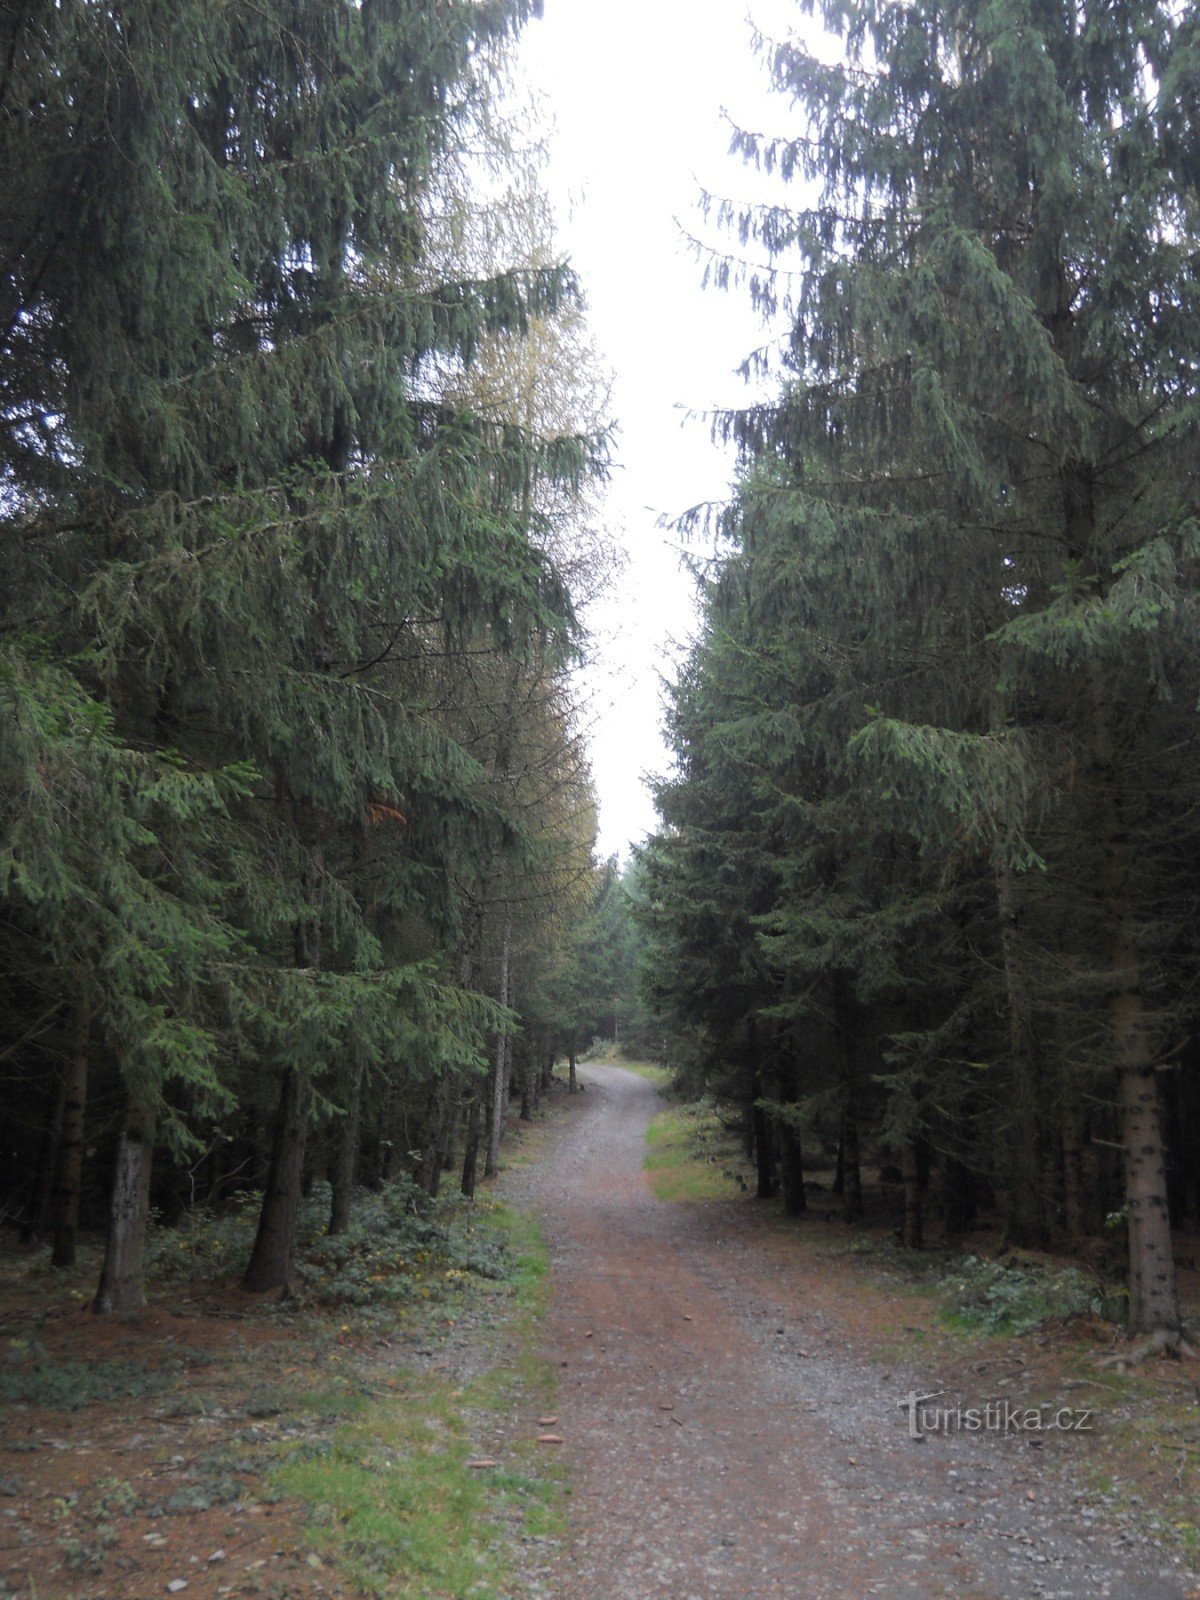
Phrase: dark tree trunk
{"type": "Point", "coordinates": [764, 1153]}
{"type": "Point", "coordinates": [914, 1229]}
{"type": "Point", "coordinates": [1076, 1209]}
{"type": "Point", "coordinates": [388, 1159]}
{"type": "Point", "coordinates": [1025, 1219]}
{"type": "Point", "coordinates": [122, 1289]}
{"type": "Point", "coordinates": [958, 1197]}
{"type": "Point", "coordinates": [68, 1182]}
{"type": "Point", "coordinates": [342, 1173]}
{"type": "Point", "coordinates": [1153, 1291]}
{"type": "Point", "coordinates": [471, 1150]}
{"type": "Point", "coordinates": [40, 1204]}
{"type": "Point", "coordinates": [433, 1156]}
{"type": "Point", "coordinates": [852, 1195]}
{"type": "Point", "coordinates": [795, 1201]}
{"type": "Point", "coordinates": [499, 1085]}
{"type": "Point", "coordinates": [527, 1101]}
{"type": "Point", "coordinates": [849, 1184]}
{"type": "Point", "coordinates": [270, 1265]}
{"type": "Point", "coordinates": [572, 1082]}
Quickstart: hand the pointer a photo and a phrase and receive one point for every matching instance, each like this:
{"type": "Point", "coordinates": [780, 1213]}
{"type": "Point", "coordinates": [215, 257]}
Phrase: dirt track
{"type": "Point", "coordinates": [723, 1440]}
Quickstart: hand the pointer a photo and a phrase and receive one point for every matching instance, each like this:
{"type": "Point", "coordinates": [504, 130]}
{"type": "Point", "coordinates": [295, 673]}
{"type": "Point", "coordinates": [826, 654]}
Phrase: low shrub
{"type": "Point", "coordinates": [399, 1246]}
{"type": "Point", "coordinates": [997, 1296]}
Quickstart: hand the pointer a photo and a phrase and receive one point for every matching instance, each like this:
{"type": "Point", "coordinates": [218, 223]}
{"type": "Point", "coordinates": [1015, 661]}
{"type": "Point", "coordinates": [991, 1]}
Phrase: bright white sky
{"type": "Point", "coordinates": [635, 90]}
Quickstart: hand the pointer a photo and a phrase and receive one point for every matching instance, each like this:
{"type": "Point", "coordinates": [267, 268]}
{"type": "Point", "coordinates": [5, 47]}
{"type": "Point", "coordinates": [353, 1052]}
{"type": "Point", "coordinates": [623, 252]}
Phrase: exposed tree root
{"type": "Point", "coordinates": [1160, 1343]}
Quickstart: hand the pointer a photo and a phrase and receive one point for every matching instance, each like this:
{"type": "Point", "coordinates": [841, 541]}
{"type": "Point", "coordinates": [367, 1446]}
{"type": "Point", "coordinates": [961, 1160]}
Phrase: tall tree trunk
{"type": "Point", "coordinates": [764, 1153]}
{"type": "Point", "coordinates": [760, 1123]}
{"type": "Point", "coordinates": [40, 1204]}
{"type": "Point", "coordinates": [68, 1181]}
{"type": "Point", "coordinates": [1025, 1221]}
{"type": "Point", "coordinates": [527, 1078]}
{"type": "Point", "coordinates": [852, 1195]}
{"type": "Point", "coordinates": [1153, 1295]}
{"type": "Point", "coordinates": [499, 1084]}
{"type": "Point", "coordinates": [437, 1137]}
{"type": "Point", "coordinates": [849, 1169]}
{"type": "Point", "coordinates": [1076, 1211]}
{"type": "Point", "coordinates": [914, 1226]}
{"type": "Point", "coordinates": [795, 1201]}
{"type": "Point", "coordinates": [270, 1264]}
{"type": "Point", "coordinates": [958, 1197]}
{"type": "Point", "coordinates": [345, 1157]}
{"type": "Point", "coordinates": [572, 1081]}
{"type": "Point", "coordinates": [388, 1161]}
{"type": "Point", "coordinates": [1153, 1292]}
{"type": "Point", "coordinates": [122, 1289]}
{"type": "Point", "coordinates": [471, 1149]}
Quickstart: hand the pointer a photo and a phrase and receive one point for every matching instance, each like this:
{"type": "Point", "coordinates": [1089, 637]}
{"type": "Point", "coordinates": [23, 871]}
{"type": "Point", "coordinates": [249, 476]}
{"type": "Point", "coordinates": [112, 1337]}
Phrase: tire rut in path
{"type": "Point", "coordinates": [708, 1462]}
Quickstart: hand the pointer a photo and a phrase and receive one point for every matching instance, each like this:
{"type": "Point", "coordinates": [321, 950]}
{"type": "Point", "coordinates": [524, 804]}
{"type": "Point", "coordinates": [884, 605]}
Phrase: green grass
{"type": "Point", "coordinates": [393, 1503]}
{"type": "Point", "coordinates": [660, 1077]}
{"type": "Point", "coordinates": [397, 1508]}
{"type": "Point", "coordinates": [692, 1156]}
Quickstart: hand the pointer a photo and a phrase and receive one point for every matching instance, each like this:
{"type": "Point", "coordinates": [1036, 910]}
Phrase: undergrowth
{"type": "Point", "coordinates": [399, 1248]}
{"type": "Point", "coordinates": [30, 1375]}
{"type": "Point", "coordinates": [693, 1156]}
{"type": "Point", "coordinates": [992, 1295]}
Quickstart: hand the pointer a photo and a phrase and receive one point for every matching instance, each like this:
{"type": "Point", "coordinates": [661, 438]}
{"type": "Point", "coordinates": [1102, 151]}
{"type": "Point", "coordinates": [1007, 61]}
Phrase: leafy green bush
{"type": "Point", "coordinates": [994, 1296]}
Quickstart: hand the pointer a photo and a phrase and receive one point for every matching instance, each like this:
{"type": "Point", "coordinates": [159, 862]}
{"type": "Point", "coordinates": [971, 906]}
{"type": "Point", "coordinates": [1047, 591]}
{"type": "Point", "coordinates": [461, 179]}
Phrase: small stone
{"type": "Point", "coordinates": [176, 1584]}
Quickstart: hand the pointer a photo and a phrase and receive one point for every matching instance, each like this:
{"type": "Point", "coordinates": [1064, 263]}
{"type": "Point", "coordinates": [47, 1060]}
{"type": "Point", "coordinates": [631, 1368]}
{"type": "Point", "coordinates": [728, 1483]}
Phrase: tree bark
{"type": "Point", "coordinates": [849, 1170]}
{"type": "Point", "coordinates": [764, 1153]}
{"type": "Point", "coordinates": [270, 1264]}
{"type": "Point", "coordinates": [914, 1228]}
{"type": "Point", "coordinates": [795, 1201]}
{"type": "Point", "coordinates": [40, 1205]}
{"type": "Point", "coordinates": [499, 1084]}
{"type": "Point", "coordinates": [852, 1195]}
{"type": "Point", "coordinates": [1153, 1295]}
{"type": "Point", "coordinates": [68, 1181]}
{"type": "Point", "coordinates": [121, 1290]}
{"type": "Point", "coordinates": [572, 1082]}
{"type": "Point", "coordinates": [1153, 1292]}
{"type": "Point", "coordinates": [341, 1177]}
{"type": "Point", "coordinates": [433, 1156]}
{"type": "Point", "coordinates": [1075, 1188]}
{"type": "Point", "coordinates": [1025, 1222]}
{"type": "Point", "coordinates": [471, 1150]}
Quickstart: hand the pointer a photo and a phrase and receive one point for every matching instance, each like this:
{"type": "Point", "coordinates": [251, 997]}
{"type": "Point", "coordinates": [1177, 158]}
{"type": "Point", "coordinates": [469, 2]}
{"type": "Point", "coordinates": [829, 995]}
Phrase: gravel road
{"type": "Point", "coordinates": [722, 1441]}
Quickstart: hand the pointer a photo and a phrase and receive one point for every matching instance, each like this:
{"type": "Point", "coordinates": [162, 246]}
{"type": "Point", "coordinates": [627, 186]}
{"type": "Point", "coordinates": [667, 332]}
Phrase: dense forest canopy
{"type": "Point", "coordinates": [928, 865]}
{"type": "Point", "coordinates": [299, 418]}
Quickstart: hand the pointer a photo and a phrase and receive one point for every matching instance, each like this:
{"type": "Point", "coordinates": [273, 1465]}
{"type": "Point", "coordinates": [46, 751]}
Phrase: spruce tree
{"type": "Point", "coordinates": [239, 498]}
{"type": "Point", "coordinates": [990, 424]}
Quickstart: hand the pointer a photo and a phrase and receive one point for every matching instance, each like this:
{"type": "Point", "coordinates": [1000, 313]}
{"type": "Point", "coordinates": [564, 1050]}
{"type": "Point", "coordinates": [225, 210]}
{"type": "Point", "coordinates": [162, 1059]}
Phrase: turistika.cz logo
{"type": "Point", "coordinates": [996, 1416]}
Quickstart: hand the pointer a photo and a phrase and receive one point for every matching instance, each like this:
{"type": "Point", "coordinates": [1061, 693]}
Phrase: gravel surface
{"type": "Point", "coordinates": [721, 1440]}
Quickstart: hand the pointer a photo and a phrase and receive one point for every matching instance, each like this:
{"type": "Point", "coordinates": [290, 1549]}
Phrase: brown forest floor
{"type": "Point", "coordinates": [728, 1388]}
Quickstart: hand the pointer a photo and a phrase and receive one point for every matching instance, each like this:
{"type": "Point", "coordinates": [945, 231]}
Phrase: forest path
{"type": "Point", "coordinates": [722, 1439]}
